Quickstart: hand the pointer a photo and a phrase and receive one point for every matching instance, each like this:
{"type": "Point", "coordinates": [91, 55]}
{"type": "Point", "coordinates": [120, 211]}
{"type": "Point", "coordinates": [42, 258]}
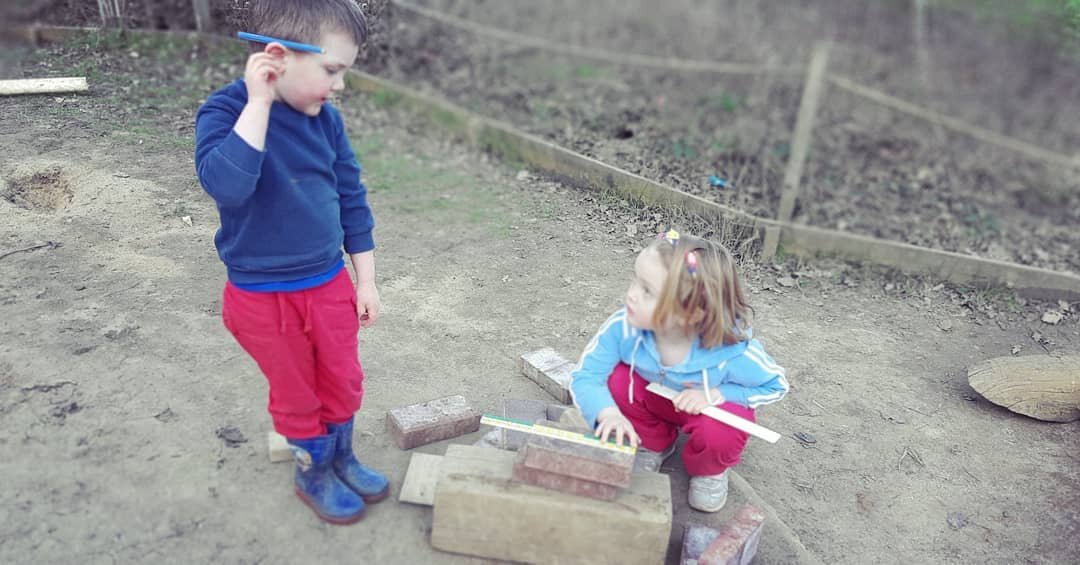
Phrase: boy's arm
{"type": "Point", "coordinates": [356, 218]}
{"type": "Point", "coordinates": [755, 380]}
{"type": "Point", "coordinates": [229, 148]}
{"type": "Point", "coordinates": [367, 296]}
{"type": "Point", "coordinates": [588, 382]}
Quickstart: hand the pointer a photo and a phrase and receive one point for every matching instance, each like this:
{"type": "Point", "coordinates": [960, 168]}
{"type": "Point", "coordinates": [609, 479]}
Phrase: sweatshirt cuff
{"type": "Point", "coordinates": [359, 242]}
{"type": "Point", "coordinates": [238, 152]}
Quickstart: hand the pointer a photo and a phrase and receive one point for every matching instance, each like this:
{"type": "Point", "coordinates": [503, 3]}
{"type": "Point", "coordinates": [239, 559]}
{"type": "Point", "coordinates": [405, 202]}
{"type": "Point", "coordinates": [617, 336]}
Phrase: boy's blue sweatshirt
{"type": "Point", "coordinates": [285, 211]}
{"type": "Point", "coordinates": [742, 372]}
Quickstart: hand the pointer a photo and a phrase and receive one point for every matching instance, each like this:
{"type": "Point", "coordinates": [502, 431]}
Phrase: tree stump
{"type": "Point", "coordinates": [1042, 387]}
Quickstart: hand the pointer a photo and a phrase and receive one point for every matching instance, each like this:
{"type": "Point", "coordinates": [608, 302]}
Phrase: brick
{"type": "Point", "coordinates": [556, 411]}
{"type": "Point", "coordinates": [480, 510]}
{"type": "Point", "coordinates": [572, 419]}
{"type": "Point", "coordinates": [549, 370]}
{"type": "Point", "coordinates": [737, 541]}
{"type": "Point", "coordinates": [561, 483]}
{"type": "Point", "coordinates": [586, 462]}
{"type": "Point", "coordinates": [277, 447]}
{"type": "Point", "coordinates": [522, 410]}
{"type": "Point", "coordinates": [696, 538]}
{"type": "Point", "coordinates": [432, 421]}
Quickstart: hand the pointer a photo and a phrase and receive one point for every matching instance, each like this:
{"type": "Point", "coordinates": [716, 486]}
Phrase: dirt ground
{"type": "Point", "coordinates": [117, 378]}
{"type": "Point", "coordinates": [871, 170]}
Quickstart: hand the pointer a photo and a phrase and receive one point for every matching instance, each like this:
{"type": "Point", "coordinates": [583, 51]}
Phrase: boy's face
{"type": "Point", "coordinates": [641, 297]}
{"type": "Point", "coordinates": [309, 78]}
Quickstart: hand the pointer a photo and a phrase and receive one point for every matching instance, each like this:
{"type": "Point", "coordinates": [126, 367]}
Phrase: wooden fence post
{"type": "Point", "coordinates": [800, 146]}
{"type": "Point", "coordinates": [203, 21]}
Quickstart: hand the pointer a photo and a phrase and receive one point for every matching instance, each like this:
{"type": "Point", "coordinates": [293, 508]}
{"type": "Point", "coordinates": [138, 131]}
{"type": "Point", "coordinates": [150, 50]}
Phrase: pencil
{"type": "Point", "coordinates": [289, 44]}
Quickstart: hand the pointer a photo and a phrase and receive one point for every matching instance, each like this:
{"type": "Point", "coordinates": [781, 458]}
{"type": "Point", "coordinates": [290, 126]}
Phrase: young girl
{"type": "Point", "coordinates": [685, 325]}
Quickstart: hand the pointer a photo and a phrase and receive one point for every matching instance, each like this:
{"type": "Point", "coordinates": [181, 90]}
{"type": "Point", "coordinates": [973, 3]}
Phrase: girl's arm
{"type": "Point", "coordinates": [753, 378]}
{"type": "Point", "coordinates": [588, 383]}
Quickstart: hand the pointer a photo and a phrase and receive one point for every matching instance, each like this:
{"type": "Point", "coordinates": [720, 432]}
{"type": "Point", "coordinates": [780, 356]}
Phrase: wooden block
{"type": "Point", "coordinates": [522, 410]}
{"type": "Point", "coordinates": [561, 483]}
{"type": "Point", "coordinates": [421, 479]}
{"type": "Point", "coordinates": [585, 462]}
{"type": "Point", "coordinates": [696, 538]}
{"type": "Point", "coordinates": [480, 510]}
{"type": "Point", "coordinates": [278, 447]}
{"type": "Point", "coordinates": [549, 370]}
{"type": "Point", "coordinates": [42, 85]}
{"type": "Point", "coordinates": [432, 421]}
{"type": "Point", "coordinates": [737, 541]}
{"type": "Point", "coordinates": [1039, 386]}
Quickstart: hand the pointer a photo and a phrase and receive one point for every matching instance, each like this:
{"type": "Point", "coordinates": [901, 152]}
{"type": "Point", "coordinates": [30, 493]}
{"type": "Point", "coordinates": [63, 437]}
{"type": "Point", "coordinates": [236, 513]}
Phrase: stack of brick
{"type": "Point", "coordinates": [573, 468]}
{"type": "Point", "coordinates": [549, 370]}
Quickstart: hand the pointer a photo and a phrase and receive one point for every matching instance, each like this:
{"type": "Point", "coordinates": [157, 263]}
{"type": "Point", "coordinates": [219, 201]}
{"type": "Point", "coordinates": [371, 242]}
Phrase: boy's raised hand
{"type": "Point", "coordinates": [611, 421]}
{"type": "Point", "coordinates": [262, 71]}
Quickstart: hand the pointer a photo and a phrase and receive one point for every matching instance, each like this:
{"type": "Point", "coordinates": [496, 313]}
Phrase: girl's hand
{"type": "Point", "coordinates": [262, 71]}
{"type": "Point", "coordinates": [693, 401]}
{"type": "Point", "coordinates": [367, 304]}
{"type": "Point", "coordinates": [611, 421]}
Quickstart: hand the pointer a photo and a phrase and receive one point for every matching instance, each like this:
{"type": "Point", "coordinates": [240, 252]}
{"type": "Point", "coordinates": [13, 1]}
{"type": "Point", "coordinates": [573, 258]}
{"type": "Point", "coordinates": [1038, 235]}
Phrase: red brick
{"type": "Point", "coordinates": [738, 539]}
{"type": "Point", "coordinates": [432, 421]}
{"type": "Point", "coordinates": [562, 483]}
{"type": "Point", "coordinates": [696, 538]}
{"type": "Point", "coordinates": [586, 462]}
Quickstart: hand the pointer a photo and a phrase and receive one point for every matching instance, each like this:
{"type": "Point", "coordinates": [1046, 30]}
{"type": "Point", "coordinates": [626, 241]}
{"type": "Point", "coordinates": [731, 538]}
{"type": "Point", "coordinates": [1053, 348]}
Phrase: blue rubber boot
{"type": "Point", "coordinates": [319, 486]}
{"type": "Point", "coordinates": [370, 485]}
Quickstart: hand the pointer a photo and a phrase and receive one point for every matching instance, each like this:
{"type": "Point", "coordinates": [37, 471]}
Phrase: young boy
{"type": "Point", "coordinates": [273, 154]}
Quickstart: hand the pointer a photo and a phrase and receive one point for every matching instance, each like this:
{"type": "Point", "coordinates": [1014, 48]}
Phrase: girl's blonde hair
{"type": "Point", "coordinates": [704, 291]}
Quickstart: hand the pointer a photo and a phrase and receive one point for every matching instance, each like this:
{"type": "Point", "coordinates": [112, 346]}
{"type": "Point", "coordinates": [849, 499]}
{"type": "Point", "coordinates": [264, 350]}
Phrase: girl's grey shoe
{"type": "Point", "coordinates": [709, 493]}
{"type": "Point", "coordinates": [648, 460]}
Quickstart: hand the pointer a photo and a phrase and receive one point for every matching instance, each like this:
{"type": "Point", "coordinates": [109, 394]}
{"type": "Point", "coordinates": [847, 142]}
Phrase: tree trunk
{"type": "Point", "coordinates": [1040, 386]}
{"type": "Point", "coordinates": [203, 21]}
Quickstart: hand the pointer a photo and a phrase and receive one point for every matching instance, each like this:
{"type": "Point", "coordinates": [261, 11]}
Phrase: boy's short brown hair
{"type": "Point", "coordinates": [304, 21]}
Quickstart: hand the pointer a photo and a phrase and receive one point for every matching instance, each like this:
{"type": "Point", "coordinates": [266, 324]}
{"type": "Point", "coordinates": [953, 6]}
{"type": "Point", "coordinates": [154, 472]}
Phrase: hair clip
{"type": "Point", "coordinates": [691, 262]}
{"type": "Point", "coordinates": [671, 236]}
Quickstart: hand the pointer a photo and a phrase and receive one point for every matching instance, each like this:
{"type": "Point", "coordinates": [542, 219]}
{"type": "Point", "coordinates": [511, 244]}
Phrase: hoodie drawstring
{"type": "Point", "coordinates": [632, 355]}
{"type": "Point", "coordinates": [307, 312]}
{"type": "Point", "coordinates": [281, 311]}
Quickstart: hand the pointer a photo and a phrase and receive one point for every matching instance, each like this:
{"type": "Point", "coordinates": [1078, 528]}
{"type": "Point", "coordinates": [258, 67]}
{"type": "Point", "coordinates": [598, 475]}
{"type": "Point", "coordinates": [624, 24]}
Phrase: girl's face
{"type": "Point", "coordinates": [310, 78]}
{"type": "Point", "coordinates": [641, 297]}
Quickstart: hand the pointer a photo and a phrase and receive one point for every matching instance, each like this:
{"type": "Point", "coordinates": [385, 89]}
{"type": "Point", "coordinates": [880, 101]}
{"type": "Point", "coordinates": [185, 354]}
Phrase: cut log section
{"type": "Point", "coordinates": [1042, 387]}
{"type": "Point", "coordinates": [42, 85]}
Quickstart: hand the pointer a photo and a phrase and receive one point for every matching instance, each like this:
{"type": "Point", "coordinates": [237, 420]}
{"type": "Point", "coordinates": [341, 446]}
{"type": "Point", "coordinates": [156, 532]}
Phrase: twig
{"type": "Point", "coordinates": [49, 387]}
{"type": "Point", "coordinates": [970, 475]}
{"type": "Point", "coordinates": [914, 456]}
{"type": "Point", "coordinates": [49, 244]}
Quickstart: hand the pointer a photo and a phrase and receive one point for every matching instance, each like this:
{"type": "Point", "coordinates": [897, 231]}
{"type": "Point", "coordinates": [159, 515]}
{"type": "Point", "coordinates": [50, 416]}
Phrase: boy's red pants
{"type": "Point", "coordinates": [305, 343]}
{"type": "Point", "coordinates": [712, 446]}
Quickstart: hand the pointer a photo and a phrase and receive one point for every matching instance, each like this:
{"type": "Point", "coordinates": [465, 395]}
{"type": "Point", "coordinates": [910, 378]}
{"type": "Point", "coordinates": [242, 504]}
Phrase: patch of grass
{"type": "Point", "coordinates": [587, 71]}
{"type": "Point", "coordinates": [385, 98]}
{"type": "Point", "coordinates": [727, 102]}
{"type": "Point", "coordinates": [683, 148]}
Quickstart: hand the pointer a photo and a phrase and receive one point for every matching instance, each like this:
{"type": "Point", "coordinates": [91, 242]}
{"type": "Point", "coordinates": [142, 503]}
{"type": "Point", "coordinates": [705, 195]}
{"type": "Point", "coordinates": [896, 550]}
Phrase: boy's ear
{"type": "Point", "coordinates": [276, 50]}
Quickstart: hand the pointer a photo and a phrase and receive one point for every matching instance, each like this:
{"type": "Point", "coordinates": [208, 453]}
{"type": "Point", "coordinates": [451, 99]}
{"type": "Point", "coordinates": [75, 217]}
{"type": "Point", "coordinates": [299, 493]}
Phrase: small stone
{"type": "Point", "coordinates": [1016, 349]}
{"type": "Point", "coordinates": [805, 438]}
{"type": "Point", "coordinates": [523, 175]}
{"type": "Point", "coordinates": [232, 436]}
{"type": "Point", "coordinates": [945, 325]}
{"type": "Point", "coordinates": [787, 282]}
{"type": "Point", "coordinates": [1052, 318]}
{"type": "Point", "coordinates": [956, 520]}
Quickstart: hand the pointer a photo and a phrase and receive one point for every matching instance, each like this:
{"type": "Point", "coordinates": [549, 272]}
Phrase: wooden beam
{"type": "Point", "coordinates": [800, 145]}
{"type": "Point", "coordinates": [42, 86]}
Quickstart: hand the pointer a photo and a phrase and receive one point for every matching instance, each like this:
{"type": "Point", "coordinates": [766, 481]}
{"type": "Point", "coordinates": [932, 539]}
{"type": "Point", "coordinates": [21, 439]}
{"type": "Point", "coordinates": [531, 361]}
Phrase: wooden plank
{"type": "Point", "coordinates": [421, 479]}
{"type": "Point", "coordinates": [481, 510]}
{"type": "Point", "coordinates": [737, 422]}
{"type": "Point", "coordinates": [42, 86]}
{"type": "Point", "coordinates": [1040, 386]}
{"type": "Point", "coordinates": [813, 87]}
{"type": "Point", "coordinates": [277, 447]}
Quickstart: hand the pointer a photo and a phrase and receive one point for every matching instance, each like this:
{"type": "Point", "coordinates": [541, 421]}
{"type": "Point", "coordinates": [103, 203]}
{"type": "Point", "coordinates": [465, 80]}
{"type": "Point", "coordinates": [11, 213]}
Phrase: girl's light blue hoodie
{"type": "Point", "coordinates": [742, 372]}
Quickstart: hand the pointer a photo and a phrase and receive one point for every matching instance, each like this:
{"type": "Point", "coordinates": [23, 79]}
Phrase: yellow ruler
{"type": "Point", "coordinates": [575, 437]}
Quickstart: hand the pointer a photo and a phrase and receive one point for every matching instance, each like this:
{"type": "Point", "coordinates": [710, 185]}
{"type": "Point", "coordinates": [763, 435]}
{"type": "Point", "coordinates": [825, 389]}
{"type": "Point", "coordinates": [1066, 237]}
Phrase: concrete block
{"type": "Point", "coordinates": [421, 479]}
{"type": "Point", "coordinates": [585, 462]}
{"type": "Point", "coordinates": [572, 419]}
{"type": "Point", "coordinates": [432, 421]}
{"type": "Point", "coordinates": [549, 370]}
{"type": "Point", "coordinates": [696, 538]}
{"type": "Point", "coordinates": [480, 510]}
{"type": "Point", "coordinates": [737, 541]}
{"type": "Point", "coordinates": [522, 410]}
{"type": "Point", "coordinates": [278, 447]}
{"type": "Point", "coordinates": [561, 483]}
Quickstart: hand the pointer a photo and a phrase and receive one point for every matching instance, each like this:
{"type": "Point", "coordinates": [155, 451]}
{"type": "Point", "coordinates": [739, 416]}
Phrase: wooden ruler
{"type": "Point", "coordinates": [737, 422]}
{"type": "Point", "coordinates": [575, 437]}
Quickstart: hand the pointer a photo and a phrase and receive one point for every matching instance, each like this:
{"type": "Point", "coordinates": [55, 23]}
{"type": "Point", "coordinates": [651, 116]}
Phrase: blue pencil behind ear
{"type": "Point", "coordinates": [288, 44]}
